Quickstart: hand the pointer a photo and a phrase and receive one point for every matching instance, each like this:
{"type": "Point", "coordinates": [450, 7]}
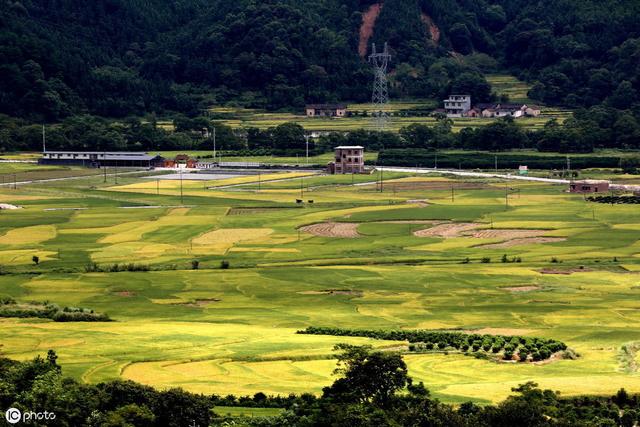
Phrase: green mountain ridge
{"type": "Point", "coordinates": [116, 58]}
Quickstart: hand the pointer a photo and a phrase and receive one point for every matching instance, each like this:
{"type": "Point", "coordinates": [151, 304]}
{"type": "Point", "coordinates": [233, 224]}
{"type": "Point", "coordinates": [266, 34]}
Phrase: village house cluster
{"type": "Point", "coordinates": [460, 106]}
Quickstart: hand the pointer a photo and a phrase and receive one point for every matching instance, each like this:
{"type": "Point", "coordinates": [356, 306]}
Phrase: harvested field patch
{"type": "Point", "coordinates": [447, 230]}
{"type": "Point", "coordinates": [127, 294]}
{"type": "Point", "coordinates": [566, 271]}
{"type": "Point", "coordinates": [333, 292]}
{"type": "Point", "coordinates": [423, 203]}
{"type": "Point", "coordinates": [199, 303]}
{"type": "Point", "coordinates": [412, 221]}
{"type": "Point", "coordinates": [250, 211]}
{"type": "Point", "coordinates": [506, 233]}
{"type": "Point", "coordinates": [346, 230]}
{"type": "Point", "coordinates": [270, 250]}
{"type": "Point", "coordinates": [528, 288]}
{"type": "Point", "coordinates": [7, 206]}
{"type": "Point", "coordinates": [522, 241]}
{"type": "Point", "coordinates": [231, 235]}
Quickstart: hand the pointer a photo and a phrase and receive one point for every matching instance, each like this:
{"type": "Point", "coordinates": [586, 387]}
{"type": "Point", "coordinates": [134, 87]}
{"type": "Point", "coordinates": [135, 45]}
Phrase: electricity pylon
{"type": "Point", "coordinates": [380, 99]}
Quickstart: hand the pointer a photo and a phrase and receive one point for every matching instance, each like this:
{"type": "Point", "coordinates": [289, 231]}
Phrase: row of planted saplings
{"type": "Point", "coordinates": [616, 200]}
{"type": "Point", "coordinates": [525, 348]}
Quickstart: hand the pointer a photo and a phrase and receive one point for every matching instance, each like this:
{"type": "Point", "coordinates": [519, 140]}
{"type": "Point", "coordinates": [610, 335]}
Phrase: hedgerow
{"type": "Point", "coordinates": [424, 340]}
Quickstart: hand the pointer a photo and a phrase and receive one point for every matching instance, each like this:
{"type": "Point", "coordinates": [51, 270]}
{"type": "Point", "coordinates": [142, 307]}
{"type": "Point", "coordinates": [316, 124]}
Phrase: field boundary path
{"type": "Point", "coordinates": [36, 181]}
{"type": "Point", "coordinates": [473, 174]}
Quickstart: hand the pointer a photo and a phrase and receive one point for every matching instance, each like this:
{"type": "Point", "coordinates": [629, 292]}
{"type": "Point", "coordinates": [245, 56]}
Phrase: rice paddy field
{"type": "Point", "coordinates": [408, 255]}
{"type": "Point", "coordinates": [263, 120]}
{"type": "Point", "coordinates": [402, 112]}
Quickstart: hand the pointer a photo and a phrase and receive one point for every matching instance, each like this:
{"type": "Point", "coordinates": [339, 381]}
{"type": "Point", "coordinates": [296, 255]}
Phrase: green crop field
{"type": "Point", "coordinates": [504, 84]}
{"type": "Point", "coordinates": [395, 123]}
{"type": "Point", "coordinates": [403, 113]}
{"type": "Point", "coordinates": [356, 257]}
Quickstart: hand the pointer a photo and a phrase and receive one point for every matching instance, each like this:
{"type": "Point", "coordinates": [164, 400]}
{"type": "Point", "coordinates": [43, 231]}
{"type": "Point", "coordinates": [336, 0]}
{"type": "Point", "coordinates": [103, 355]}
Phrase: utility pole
{"type": "Point", "coordinates": [44, 140]}
{"type": "Point", "coordinates": [306, 139]}
{"type": "Point", "coordinates": [569, 166]}
{"type": "Point", "coordinates": [453, 195]}
{"type": "Point", "coordinates": [158, 187]}
{"type": "Point", "coordinates": [506, 196]}
{"type": "Point", "coordinates": [181, 198]}
{"type": "Point", "coordinates": [496, 163]}
{"type": "Point", "coordinates": [259, 180]}
{"type": "Point", "coordinates": [104, 172]}
{"type": "Point", "coordinates": [15, 185]}
{"type": "Point", "coordinates": [381, 180]}
{"type": "Point", "coordinates": [435, 161]}
{"type": "Point", "coordinates": [214, 144]}
{"type": "Point", "coordinates": [115, 172]}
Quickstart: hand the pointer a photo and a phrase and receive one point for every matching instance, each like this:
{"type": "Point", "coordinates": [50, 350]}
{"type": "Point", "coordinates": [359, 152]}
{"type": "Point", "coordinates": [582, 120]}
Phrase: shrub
{"type": "Point", "coordinates": [485, 260]}
{"type": "Point", "coordinates": [195, 264]}
{"type": "Point", "coordinates": [224, 264]}
{"type": "Point", "coordinates": [522, 354]}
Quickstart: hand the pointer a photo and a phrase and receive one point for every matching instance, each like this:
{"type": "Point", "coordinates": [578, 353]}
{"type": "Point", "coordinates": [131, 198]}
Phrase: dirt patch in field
{"type": "Point", "coordinates": [412, 221]}
{"type": "Point", "coordinates": [199, 303]}
{"type": "Point", "coordinates": [447, 230]}
{"type": "Point", "coordinates": [528, 288]}
{"type": "Point", "coordinates": [127, 294]}
{"type": "Point", "coordinates": [369, 19]}
{"type": "Point", "coordinates": [7, 206]}
{"type": "Point", "coordinates": [423, 203]}
{"type": "Point", "coordinates": [251, 211]}
{"type": "Point", "coordinates": [523, 241]}
{"type": "Point", "coordinates": [333, 292]}
{"type": "Point", "coordinates": [345, 230]}
{"type": "Point", "coordinates": [506, 233]}
{"type": "Point", "coordinates": [565, 271]}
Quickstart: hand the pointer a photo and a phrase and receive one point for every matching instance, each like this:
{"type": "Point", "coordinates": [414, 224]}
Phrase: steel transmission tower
{"type": "Point", "coordinates": [380, 99]}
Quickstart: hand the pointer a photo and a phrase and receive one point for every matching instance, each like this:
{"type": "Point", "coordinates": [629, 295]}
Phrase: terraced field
{"type": "Point", "coordinates": [375, 262]}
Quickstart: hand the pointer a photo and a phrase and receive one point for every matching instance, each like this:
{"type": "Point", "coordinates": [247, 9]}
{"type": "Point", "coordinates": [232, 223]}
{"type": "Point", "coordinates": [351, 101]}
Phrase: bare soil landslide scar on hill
{"type": "Point", "coordinates": [344, 230]}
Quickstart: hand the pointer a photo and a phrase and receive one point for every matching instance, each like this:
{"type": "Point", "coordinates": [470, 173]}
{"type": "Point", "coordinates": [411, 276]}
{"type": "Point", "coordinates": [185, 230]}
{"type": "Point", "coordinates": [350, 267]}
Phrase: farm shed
{"type": "Point", "coordinates": [96, 159]}
{"type": "Point", "coordinates": [589, 186]}
{"type": "Point", "coordinates": [326, 110]}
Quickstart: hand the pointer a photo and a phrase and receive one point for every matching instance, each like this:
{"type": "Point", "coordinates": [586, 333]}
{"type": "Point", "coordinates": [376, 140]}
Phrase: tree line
{"type": "Point", "coordinates": [526, 348]}
{"type": "Point", "coordinates": [588, 130]}
{"type": "Point", "coordinates": [373, 388]}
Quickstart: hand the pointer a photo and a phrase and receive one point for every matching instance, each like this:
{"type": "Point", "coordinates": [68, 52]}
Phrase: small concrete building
{"type": "Point", "coordinates": [181, 161]}
{"type": "Point", "coordinates": [589, 186]}
{"type": "Point", "coordinates": [326, 110]}
{"type": "Point", "coordinates": [457, 105]}
{"type": "Point", "coordinates": [349, 159]}
{"type": "Point", "coordinates": [96, 159]}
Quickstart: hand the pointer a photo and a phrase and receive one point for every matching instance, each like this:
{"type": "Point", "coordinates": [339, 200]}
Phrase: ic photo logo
{"type": "Point", "coordinates": [14, 416]}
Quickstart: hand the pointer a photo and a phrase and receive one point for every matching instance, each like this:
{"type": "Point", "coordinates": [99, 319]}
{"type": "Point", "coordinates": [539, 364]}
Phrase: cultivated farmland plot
{"type": "Point", "coordinates": [423, 253]}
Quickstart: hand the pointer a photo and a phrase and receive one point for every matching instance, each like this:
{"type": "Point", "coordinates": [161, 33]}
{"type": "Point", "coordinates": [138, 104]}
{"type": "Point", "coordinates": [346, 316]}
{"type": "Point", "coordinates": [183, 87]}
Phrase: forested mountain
{"type": "Point", "coordinates": [117, 58]}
